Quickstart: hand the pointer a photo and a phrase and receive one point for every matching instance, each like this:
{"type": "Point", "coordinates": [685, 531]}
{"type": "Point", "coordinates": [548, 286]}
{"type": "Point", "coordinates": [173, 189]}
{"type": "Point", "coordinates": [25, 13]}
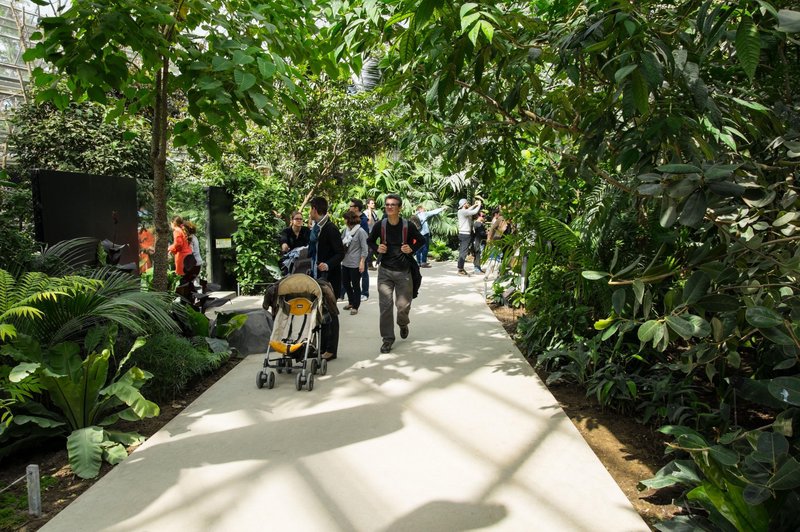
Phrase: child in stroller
{"type": "Point", "coordinates": [298, 305]}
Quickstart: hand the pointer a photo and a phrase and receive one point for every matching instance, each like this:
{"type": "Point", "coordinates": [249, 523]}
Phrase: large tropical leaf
{"type": "Point", "coordinates": [85, 449]}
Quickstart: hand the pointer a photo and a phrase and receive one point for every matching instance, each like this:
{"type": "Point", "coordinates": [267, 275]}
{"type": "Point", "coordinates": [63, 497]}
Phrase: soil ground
{"type": "Point", "coordinates": [630, 452]}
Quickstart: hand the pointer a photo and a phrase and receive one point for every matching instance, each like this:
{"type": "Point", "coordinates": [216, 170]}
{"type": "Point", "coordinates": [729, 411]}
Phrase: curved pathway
{"type": "Point", "coordinates": [450, 431]}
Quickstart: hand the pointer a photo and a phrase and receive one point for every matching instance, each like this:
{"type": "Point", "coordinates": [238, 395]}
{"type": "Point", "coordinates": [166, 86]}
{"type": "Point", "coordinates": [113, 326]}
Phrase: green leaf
{"type": "Point", "coordinates": [623, 72]}
{"type": "Point", "coordinates": [266, 68]}
{"type": "Point", "coordinates": [114, 453]}
{"type": "Point", "coordinates": [647, 330]}
{"type": "Point", "coordinates": [727, 189]}
{"type": "Point", "coordinates": [701, 328]}
{"type": "Point", "coordinates": [244, 80]}
{"type": "Point", "coordinates": [789, 21]}
{"type": "Point", "coordinates": [618, 300]}
{"type": "Point", "coordinates": [719, 303]}
{"type": "Point", "coordinates": [641, 92]}
{"type": "Point", "coordinates": [85, 449]}
{"type": "Point", "coordinates": [594, 275]}
{"type": "Point", "coordinates": [638, 290]}
{"type": "Point", "coordinates": [787, 477]}
{"type": "Point", "coordinates": [696, 287]}
{"type": "Point", "coordinates": [786, 389]}
{"type": "Point", "coordinates": [22, 370]}
{"type": "Point", "coordinates": [694, 209]}
{"type": "Point", "coordinates": [678, 169]}
{"type": "Point", "coordinates": [669, 212]}
{"type": "Point", "coordinates": [763, 317]}
{"type": "Point", "coordinates": [242, 58]}
{"type": "Point", "coordinates": [603, 324]}
{"type": "Point", "coordinates": [748, 46]}
{"type": "Point", "coordinates": [777, 335]}
{"type": "Point", "coordinates": [682, 327]}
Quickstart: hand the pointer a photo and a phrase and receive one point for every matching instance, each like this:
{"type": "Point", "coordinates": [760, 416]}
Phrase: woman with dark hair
{"type": "Point", "coordinates": [354, 239]}
{"type": "Point", "coordinates": [296, 235]}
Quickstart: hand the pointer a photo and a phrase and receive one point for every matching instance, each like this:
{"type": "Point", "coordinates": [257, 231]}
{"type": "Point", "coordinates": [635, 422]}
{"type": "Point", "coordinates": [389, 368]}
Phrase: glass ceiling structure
{"type": "Point", "coordinates": [18, 19]}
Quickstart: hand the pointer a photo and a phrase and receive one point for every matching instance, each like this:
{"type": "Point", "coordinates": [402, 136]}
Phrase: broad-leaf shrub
{"type": "Point", "coordinates": [84, 391]}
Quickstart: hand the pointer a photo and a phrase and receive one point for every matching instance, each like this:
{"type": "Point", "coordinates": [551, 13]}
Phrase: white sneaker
{"type": "Point", "coordinates": [364, 298]}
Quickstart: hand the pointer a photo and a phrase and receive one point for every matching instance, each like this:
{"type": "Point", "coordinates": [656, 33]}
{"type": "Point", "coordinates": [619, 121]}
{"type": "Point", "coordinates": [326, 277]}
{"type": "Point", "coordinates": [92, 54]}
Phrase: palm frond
{"type": "Point", "coordinates": [563, 237]}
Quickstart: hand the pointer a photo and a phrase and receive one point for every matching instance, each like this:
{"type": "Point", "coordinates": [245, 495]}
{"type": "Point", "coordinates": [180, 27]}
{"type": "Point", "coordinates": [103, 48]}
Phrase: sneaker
{"type": "Point", "coordinates": [425, 265]}
{"type": "Point", "coordinates": [353, 312]}
{"type": "Point", "coordinates": [386, 347]}
{"type": "Point", "coordinates": [478, 270]}
{"type": "Point", "coordinates": [364, 298]}
{"type": "Point", "coordinates": [462, 272]}
{"type": "Point", "coordinates": [404, 331]}
{"type": "Point", "coordinates": [347, 307]}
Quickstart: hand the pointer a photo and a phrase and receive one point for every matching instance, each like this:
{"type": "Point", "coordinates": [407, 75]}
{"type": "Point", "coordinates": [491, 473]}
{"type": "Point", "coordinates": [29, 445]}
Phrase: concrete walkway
{"type": "Point", "coordinates": [450, 431]}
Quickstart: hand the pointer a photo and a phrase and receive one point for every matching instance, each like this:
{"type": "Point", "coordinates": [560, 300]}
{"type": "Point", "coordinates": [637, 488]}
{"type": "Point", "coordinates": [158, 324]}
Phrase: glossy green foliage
{"type": "Point", "coordinates": [86, 390]}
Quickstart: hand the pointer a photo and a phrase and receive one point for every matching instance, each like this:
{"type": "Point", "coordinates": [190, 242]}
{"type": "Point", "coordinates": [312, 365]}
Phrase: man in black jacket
{"type": "Point", "coordinates": [395, 286]}
{"type": "Point", "coordinates": [326, 251]}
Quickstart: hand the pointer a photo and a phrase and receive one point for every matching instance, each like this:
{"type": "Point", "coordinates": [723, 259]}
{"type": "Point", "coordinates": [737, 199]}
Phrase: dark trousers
{"type": "Point", "coordinates": [365, 282]}
{"type": "Point", "coordinates": [477, 247]}
{"type": "Point", "coordinates": [330, 335]}
{"type": "Point", "coordinates": [463, 247]}
{"type": "Point", "coordinates": [351, 278]}
{"type": "Point", "coordinates": [422, 253]}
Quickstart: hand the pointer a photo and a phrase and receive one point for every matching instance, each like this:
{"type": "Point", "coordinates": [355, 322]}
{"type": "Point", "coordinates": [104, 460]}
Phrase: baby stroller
{"type": "Point", "coordinates": [296, 333]}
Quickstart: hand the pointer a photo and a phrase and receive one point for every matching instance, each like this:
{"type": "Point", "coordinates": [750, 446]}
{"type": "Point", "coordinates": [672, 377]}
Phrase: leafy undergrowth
{"type": "Point", "coordinates": [59, 485]}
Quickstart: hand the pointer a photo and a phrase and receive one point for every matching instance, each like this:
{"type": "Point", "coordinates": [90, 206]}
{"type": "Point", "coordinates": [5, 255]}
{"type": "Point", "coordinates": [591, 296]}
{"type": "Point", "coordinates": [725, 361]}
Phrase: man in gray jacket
{"type": "Point", "coordinates": [465, 214]}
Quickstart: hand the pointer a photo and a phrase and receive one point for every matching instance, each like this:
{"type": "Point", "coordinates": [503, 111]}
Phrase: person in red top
{"type": "Point", "coordinates": [180, 244]}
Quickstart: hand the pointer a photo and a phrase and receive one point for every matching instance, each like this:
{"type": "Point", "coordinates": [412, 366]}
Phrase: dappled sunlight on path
{"type": "Point", "coordinates": [450, 431]}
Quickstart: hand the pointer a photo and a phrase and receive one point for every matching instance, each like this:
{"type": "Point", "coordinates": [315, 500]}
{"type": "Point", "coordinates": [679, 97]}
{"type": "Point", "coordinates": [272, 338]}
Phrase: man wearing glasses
{"type": "Point", "coordinates": [394, 275]}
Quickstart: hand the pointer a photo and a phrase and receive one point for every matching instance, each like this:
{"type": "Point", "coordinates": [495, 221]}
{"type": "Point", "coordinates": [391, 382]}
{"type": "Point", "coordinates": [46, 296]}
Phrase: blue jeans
{"type": "Point", "coordinates": [422, 253]}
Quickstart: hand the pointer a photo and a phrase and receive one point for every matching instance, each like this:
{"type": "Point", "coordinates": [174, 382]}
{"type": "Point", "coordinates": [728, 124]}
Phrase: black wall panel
{"type": "Point", "coordinates": [69, 205]}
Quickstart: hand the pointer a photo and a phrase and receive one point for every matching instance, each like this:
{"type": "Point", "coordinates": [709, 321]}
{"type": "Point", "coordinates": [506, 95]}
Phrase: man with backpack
{"type": "Point", "coordinates": [399, 240]}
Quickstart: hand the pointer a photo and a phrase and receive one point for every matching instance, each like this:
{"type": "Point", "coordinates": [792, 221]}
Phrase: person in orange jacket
{"type": "Point", "coordinates": [180, 247]}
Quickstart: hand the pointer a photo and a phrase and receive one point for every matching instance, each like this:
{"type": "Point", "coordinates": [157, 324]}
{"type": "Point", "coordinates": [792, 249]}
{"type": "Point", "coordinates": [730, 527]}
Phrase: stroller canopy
{"type": "Point", "coordinates": [299, 283]}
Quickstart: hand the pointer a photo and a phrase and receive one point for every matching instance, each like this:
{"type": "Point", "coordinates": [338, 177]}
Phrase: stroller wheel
{"type": "Point", "coordinates": [261, 379]}
{"type": "Point", "coordinates": [298, 382]}
{"type": "Point", "coordinates": [310, 382]}
{"type": "Point", "coordinates": [280, 369]}
{"type": "Point", "coordinates": [271, 380]}
{"type": "Point", "coordinates": [323, 367]}
{"type": "Point", "coordinates": [288, 369]}
{"type": "Point", "coordinates": [312, 366]}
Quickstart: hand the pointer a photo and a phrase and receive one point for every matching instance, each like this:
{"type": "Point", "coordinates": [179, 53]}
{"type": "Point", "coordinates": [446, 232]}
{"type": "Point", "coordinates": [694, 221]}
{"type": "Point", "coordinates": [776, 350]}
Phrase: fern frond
{"type": "Point", "coordinates": [563, 237]}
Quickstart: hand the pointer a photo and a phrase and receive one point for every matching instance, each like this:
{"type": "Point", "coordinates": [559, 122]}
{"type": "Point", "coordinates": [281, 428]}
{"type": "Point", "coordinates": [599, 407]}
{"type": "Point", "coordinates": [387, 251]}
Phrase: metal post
{"type": "Point", "coordinates": [34, 491]}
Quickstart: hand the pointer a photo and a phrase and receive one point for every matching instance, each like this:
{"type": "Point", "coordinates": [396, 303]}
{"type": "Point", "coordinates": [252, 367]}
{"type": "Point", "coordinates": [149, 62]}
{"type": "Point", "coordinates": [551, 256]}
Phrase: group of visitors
{"type": "Point", "coordinates": [344, 258]}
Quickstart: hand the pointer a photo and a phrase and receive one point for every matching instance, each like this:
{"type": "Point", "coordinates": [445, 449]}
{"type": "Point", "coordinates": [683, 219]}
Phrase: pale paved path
{"type": "Point", "coordinates": [450, 431]}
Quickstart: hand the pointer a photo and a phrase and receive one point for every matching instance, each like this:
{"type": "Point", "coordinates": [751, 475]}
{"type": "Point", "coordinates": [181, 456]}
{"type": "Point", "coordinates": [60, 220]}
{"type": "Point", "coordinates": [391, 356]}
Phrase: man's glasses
{"type": "Point", "coordinates": [392, 204]}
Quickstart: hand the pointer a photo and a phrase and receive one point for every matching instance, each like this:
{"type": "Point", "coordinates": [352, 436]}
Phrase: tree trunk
{"type": "Point", "coordinates": [158, 152]}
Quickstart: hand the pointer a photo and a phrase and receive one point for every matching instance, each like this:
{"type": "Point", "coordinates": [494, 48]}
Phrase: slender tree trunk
{"type": "Point", "coordinates": [158, 152]}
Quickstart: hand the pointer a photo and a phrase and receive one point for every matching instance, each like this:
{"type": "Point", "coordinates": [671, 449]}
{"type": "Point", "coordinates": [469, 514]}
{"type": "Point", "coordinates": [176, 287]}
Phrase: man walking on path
{"type": "Point", "coordinates": [425, 231]}
{"type": "Point", "coordinates": [326, 251]}
{"type": "Point", "coordinates": [372, 217]}
{"type": "Point", "coordinates": [465, 214]}
{"type": "Point", "coordinates": [398, 242]}
{"type": "Point", "coordinates": [356, 205]}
